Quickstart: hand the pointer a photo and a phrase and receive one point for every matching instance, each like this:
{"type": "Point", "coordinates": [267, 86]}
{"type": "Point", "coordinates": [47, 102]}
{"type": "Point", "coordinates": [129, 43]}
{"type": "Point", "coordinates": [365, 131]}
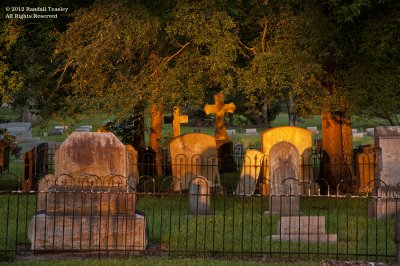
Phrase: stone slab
{"type": "Point", "coordinates": [231, 133]}
{"type": "Point", "coordinates": [370, 131]}
{"type": "Point", "coordinates": [193, 155]}
{"type": "Point", "coordinates": [283, 205]}
{"type": "Point", "coordinates": [87, 233]}
{"type": "Point", "coordinates": [251, 131]}
{"type": "Point", "coordinates": [303, 228]}
{"type": "Point", "coordinates": [252, 162]}
{"type": "Point", "coordinates": [324, 238]}
{"type": "Point", "coordinates": [388, 140]}
{"type": "Point", "coordinates": [91, 153]}
{"type": "Point", "coordinates": [69, 200]}
{"type": "Point", "coordinates": [358, 135]}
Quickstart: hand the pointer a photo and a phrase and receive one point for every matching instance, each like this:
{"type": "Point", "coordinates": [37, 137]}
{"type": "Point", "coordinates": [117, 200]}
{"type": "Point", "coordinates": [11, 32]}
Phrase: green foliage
{"type": "Point", "coordinates": [11, 80]}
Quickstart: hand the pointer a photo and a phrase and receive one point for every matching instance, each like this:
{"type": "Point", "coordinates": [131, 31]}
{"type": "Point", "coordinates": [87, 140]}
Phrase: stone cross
{"type": "Point", "coordinates": [176, 122]}
{"type": "Point", "coordinates": [219, 109]}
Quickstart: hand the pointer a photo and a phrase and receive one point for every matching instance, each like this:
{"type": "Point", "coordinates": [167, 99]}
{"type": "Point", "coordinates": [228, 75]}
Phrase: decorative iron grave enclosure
{"type": "Point", "coordinates": [238, 220]}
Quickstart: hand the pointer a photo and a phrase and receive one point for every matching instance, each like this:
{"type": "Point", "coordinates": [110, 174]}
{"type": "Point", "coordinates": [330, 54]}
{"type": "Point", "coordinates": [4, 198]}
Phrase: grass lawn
{"type": "Point", "coordinates": [157, 262]}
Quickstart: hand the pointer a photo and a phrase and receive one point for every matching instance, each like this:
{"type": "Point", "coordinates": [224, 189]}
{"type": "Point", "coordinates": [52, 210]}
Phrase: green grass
{"type": "Point", "coordinates": [237, 227]}
{"type": "Point", "coordinates": [155, 262]}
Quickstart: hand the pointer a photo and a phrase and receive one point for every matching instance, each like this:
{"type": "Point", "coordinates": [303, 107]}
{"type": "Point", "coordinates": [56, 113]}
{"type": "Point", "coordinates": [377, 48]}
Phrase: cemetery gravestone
{"type": "Point", "coordinates": [252, 163]}
{"type": "Point", "coordinates": [85, 153]}
{"type": "Point", "coordinates": [370, 131]}
{"type": "Point", "coordinates": [284, 176]}
{"type": "Point", "coordinates": [366, 169]}
{"type": "Point", "coordinates": [301, 144]}
{"type": "Point", "coordinates": [251, 131]}
{"type": "Point", "coordinates": [84, 128]}
{"type": "Point", "coordinates": [194, 155]}
{"type": "Point", "coordinates": [84, 210]}
{"type": "Point", "coordinates": [303, 228]}
{"type": "Point", "coordinates": [4, 156]}
{"type": "Point", "coordinates": [199, 196]}
{"type": "Point", "coordinates": [231, 133]}
{"type": "Point", "coordinates": [387, 140]}
{"type": "Point", "coordinates": [313, 130]}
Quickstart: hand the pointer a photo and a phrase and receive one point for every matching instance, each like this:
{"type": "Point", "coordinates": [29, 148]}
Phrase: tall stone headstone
{"type": "Point", "coordinates": [300, 141]}
{"type": "Point", "coordinates": [93, 153]}
{"type": "Point", "coordinates": [194, 155]}
{"type": "Point", "coordinates": [252, 162]}
{"type": "Point", "coordinates": [387, 140]}
{"type": "Point", "coordinates": [89, 204]}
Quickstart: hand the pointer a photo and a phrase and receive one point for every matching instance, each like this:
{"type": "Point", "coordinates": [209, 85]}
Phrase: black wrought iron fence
{"type": "Point", "coordinates": [103, 221]}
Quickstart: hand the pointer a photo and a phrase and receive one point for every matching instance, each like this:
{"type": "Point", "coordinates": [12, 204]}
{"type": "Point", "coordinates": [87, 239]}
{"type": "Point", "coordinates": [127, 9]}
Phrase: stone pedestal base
{"type": "Point", "coordinates": [383, 207]}
{"type": "Point", "coordinates": [303, 228]}
{"type": "Point", "coordinates": [284, 205]}
{"type": "Point", "coordinates": [108, 232]}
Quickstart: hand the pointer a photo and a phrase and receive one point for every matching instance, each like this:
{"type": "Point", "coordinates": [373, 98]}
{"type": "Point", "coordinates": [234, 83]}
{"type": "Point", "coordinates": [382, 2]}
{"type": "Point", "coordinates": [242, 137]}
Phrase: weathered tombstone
{"type": "Point", "coordinates": [196, 130]}
{"type": "Point", "coordinates": [251, 131]}
{"type": "Point", "coordinates": [88, 205]}
{"type": "Point", "coordinates": [366, 168]}
{"type": "Point", "coordinates": [133, 175]}
{"type": "Point", "coordinates": [354, 130]}
{"type": "Point", "coordinates": [303, 228]}
{"type": "Point", "coordinates": [298, 141]}
{"type": "Point", "coordinates": [284, 175]}
{"type": "Point", "coordinates": [4, 156]}
{"type": "Point", "coordinates": [231, 133]}
{"type": "Point", "coordinates": [359, 135]}
{"type": "Point", "coordinates": [84, 153]}
{"type": "Point", "coordinates": [84, 128]}
{"type": "Point", "coordinates": [370, 131]}
{"type": "Point", "coordinates": [177, 121]}
{"type": "Point", "coordinates": [313, 130]}
{"type": "Point", "coordinates": [199, 196]}
{"type": "Point", "coordinates": [35, 166]}
{"type": "Point", "coordinates": [252, 163]}
{"type": "Point", "coordinates": [387, 140]}
{"type": "Point", "coordinates": [194, 155]}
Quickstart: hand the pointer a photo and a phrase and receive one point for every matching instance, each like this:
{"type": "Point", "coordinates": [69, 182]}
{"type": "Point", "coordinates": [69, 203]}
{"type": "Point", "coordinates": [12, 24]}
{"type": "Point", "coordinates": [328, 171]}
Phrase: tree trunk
{"type": "Point", "coordinates": [156, 115]}
{"type": "Point", "coordinates": [337, 143]}
{"type": "Point", "coordinates": [156, 135]}
{"type": "Point", "coordinates": [139, 133]}
{"type": "Point", "coordinates": [291, 115]}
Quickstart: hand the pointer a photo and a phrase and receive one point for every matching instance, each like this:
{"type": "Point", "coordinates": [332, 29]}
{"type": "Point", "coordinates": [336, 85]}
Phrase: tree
{"type": "Point", "coordinates": [11, 79]}
{"type": "Point", "coordinates": [280, 66]}
{"type": "Point", "coordinates": [122, 56]}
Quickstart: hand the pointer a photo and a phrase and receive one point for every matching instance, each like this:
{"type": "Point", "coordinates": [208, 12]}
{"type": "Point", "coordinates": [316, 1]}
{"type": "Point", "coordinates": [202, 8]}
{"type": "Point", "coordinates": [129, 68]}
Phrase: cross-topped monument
{"type": "Point", "coordinates": [177, 121]}
{"type": "Point", "coordinates": [219, 109]}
